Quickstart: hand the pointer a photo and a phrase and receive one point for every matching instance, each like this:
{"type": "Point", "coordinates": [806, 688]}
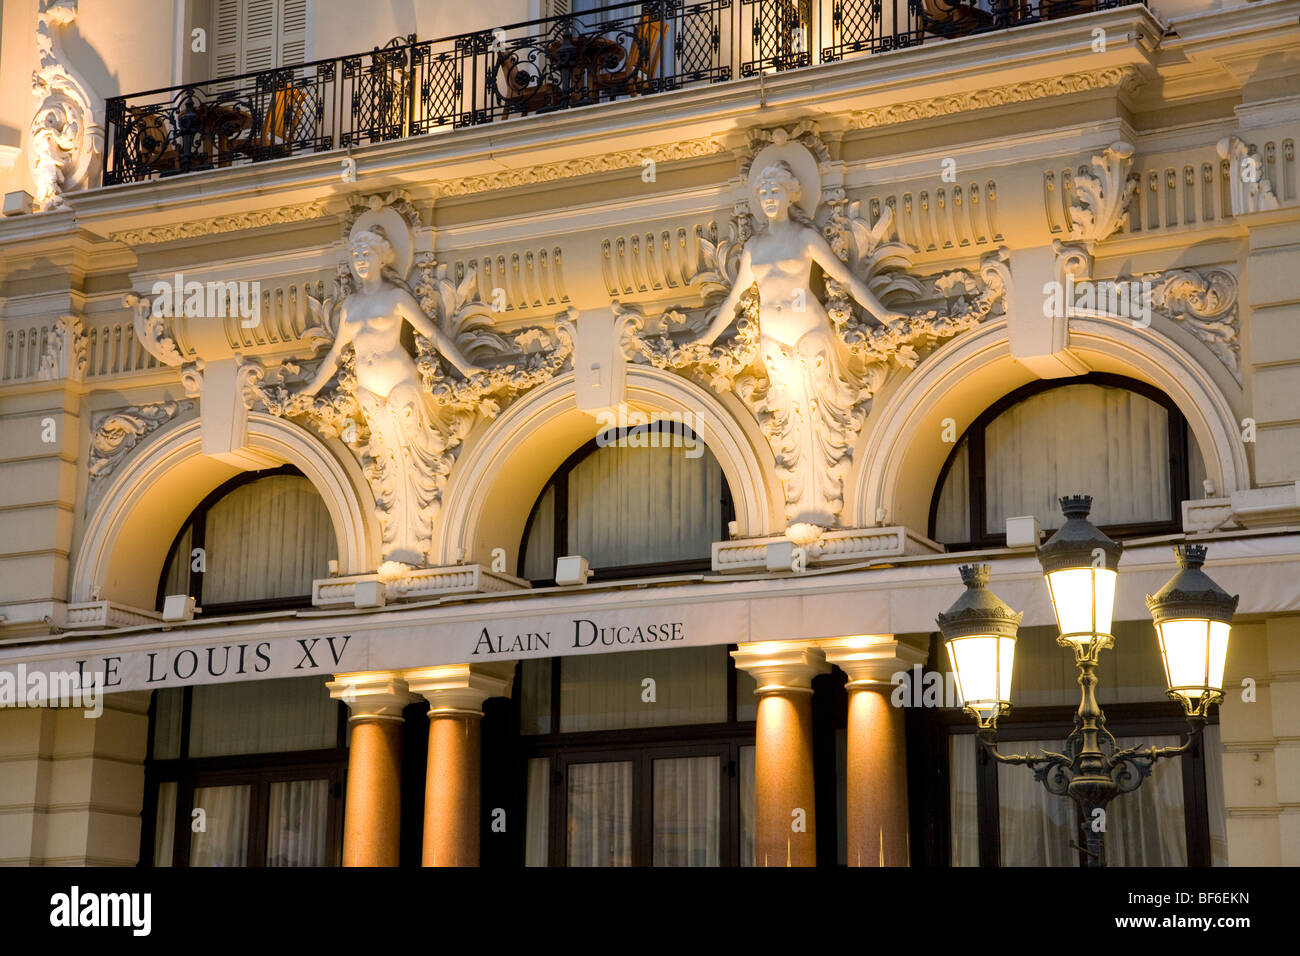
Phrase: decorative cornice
{"type": "Point", "coordinates": [220, 224]}
{"type": "Point", "coordinates": [549, 172]}
{"type": "Point", "coordinates": [1126, 78]}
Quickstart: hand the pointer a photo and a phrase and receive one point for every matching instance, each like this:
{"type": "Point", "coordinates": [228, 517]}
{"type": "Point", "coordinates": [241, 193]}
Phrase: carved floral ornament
{"type": "Point", "coordinates": [114, 434]}
{"type": "Point", "coordinates": [65, 137]}
{"type": "Point", "coordinates": [804, 363]}
{"type": "Point", "coordinates": [405, 417]}
{"type": "Point", "coordinates": [1202, 300]}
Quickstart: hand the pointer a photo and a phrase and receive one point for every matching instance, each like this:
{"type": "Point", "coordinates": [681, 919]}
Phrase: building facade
{"type": "Point", "coordinates": [545, 434]}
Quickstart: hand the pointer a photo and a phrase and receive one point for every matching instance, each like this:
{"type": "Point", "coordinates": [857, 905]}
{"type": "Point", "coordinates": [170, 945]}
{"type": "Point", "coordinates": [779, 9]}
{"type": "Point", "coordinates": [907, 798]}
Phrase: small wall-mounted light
{"type": "Point", "coordinates": [571, 569]}
{"type": "Point", "coordinates": [178, 607]}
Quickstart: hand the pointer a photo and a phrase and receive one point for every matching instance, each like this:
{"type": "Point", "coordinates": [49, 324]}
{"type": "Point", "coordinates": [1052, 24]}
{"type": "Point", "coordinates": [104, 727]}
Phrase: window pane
{"type": "Point", "coordinates": [605, 691]}
{"type": "Point", "coordinates": [265, 716]}
{"type": "Point", "coordinates": [746, 698]}
{"type": "Point", "coordinates": [167, 710]}
{"type": "Point", "coordinates": [539, 551]}
{"type": "Point", "coordinates": [1108, 442]}
{"type": "Point", "coordinates": [620, 498]}
{"type": "Point", "coordinates": [1035, 826]}
{"type": "Point", "coordinates": [1214, 795]}
{"type": "Point", "coordinates": [1147, 827]}
{"type": "Point", "coordinates": [178, 565]}
{"type": "Point", "coordinates": [535, 697]}
{"type": "Point", "coordinates": [952, 516]}
{"type": "Point", "coordinates": [536, 824]}
{"type": "Point", "coordinates": [269, 538]}
{"type": "Point", "coordinates": [687, 795]}
{"type": "Point", "coordinates": [963, 801]}
{"type": "Point", "coordinates": [1143, 828]}
{"type": "Point", "coordinates": [224, 841]}
{"type": "Point", "coordinates": [600, 814]}
{"type": "Point", "coordinates": [746, 806]}
{"type": "Point", "coordinates": [164, 832]}
{"type": "Point", "coordinates": [296, 823]}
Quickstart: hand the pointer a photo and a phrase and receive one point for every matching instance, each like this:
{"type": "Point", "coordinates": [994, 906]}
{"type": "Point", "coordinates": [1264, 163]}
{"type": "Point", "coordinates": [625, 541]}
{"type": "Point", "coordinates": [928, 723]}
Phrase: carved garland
{"type": "Point", "coordinates": [116, 433]}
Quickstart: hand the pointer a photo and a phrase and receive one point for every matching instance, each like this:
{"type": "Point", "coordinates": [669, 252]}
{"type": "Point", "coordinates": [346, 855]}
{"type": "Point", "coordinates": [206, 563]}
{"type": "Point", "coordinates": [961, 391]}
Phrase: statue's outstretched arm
{"type": "Point", "coordinates": [331, 360]}
{"type": "Point", "coordinates": [727, 311]}
{"type": "Point", "coordinates": [834, 267]}
{"type": "Point", "coordinates": [421, 322]}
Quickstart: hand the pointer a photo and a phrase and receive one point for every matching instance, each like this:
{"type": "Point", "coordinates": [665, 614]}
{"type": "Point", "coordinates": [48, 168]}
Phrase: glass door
{"type": "Point", "coordinates": [650, 806]}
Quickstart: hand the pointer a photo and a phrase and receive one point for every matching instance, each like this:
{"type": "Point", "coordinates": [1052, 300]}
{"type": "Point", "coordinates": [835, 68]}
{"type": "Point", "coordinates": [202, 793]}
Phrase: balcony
{"type": "Point", "coordinates": [411, 87]}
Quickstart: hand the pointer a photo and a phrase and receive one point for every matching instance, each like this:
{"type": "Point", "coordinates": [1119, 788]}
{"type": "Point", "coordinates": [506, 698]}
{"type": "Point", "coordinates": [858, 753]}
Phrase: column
{"type": "Point", "coordinates": [785, 826]}
{"type": "Point", "coordinates": [373, 804]}
{"type": "Point", "coordinates": [455, 693]}
{"type": "Point", "coordinates": [877, 758]}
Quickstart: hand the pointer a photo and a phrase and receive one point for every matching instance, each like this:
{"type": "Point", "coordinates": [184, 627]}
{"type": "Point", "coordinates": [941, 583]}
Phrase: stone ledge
{"type": "Point", "coordinates": [844, 546]}
{"type": "Point", "coordinates": [97, 615]}
{"type": "Point", "coordinates": [416, 585]}
{"type": "Point", "coordinates": [1252, 508]}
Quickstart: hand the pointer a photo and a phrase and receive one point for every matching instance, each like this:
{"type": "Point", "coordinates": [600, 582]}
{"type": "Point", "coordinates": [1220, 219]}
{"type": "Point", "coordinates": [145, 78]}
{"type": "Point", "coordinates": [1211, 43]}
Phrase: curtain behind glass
{"type": "Point", "coordinates": [535, 696]}
{"type": "Point", "coordinates": [539, 549]}
{"type": "Point", "coordinates": [600, 814]}
{"type": "Point", "coordinates": [747, 808]}
{"type": "Point", "coordinates": [1143, 828]}
{"type": "Point", "coordinates": [604, 691]}
{"type": "Point", "coordinates": [1218, 812]}
{"type": "Point", "coordinates": [269, 538]}
{"type": "Point", "coordinates": [224, 842]}
{"type": "Point", "coordinates": [952, 515]}
{"type": "Point", "coordinates": [644, 505]}
{"type": "Point", "coordinates": [1147, 827]}
{"type": "Point", "coordinates": [963, 801]}
{"type": "Point", "coordinates": [164, 833]}
{"type": "Point", "coordinates": [687, 808]}
{"type": "Point", "coordinates": [168, 707]}
{"type": "Point", "coordinates": [537, 821]}
{"type": "Point", "coordinates": [296, 823]}
{"type": "Point", "coordinates": [178, 565]}
{"type": "Point", "coordinates": [1108, 442]}
{"type": "Point", "coordinates": [265, 716]}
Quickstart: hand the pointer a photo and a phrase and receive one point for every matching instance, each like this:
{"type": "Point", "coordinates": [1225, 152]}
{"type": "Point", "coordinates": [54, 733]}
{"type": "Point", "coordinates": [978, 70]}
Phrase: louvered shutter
{"type": "Point", "coordinates": [225, 54]}
{"type": "Point", "coordinates": [254, 35]}
{"type": "Point", "coordinates": [293, 32]}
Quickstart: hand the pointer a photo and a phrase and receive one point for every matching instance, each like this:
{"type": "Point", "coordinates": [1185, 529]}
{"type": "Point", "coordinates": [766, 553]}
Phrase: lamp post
{"type": "Point", "coordinates": [1192, 615]}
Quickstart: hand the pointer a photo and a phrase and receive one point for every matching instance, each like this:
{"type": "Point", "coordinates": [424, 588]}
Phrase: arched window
{"type": "Point", "coordinates": [1119, 440]}
{"type": "Point", "coordinates": [643, 500]}
{"type": "Point", "coordinates": [256, 543]}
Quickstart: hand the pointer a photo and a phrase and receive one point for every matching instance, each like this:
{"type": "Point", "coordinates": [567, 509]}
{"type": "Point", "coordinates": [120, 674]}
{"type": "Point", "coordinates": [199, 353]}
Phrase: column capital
{"type": "Point", "coordinates": [781, 667]}
{"type": "Point", "coordinates": [871, 659]}
{"type": "Point", "coordinates": [461, 689]}
{"type": "Point", "coordinates": [372, 695]}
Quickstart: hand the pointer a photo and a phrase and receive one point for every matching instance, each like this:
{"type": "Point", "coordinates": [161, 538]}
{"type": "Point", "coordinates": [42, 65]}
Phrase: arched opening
{"type": "Point", "coordinates": [255, 543]}
{"type": "Point", "coordinates": [1115, 438]}
{"type": "Point", "coordinates": [642, 500]}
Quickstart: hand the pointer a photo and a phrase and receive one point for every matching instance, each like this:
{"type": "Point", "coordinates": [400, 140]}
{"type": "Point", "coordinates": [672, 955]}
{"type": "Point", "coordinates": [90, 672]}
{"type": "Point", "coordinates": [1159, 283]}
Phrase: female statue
{"type": "Point", "coordinates": [813, 396]}
{"type": "Point", "coordinates": [404, 449]}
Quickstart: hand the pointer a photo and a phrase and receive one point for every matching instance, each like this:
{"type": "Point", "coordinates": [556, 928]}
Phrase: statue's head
{"type": "Point", "coordinates": [371, 252]}
{"type": "Point", "coordinates": [777, 190]}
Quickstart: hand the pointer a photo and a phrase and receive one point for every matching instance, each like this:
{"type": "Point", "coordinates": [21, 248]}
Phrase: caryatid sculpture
{"type": "Point", "coordinates": [407, 452]}
{"type": "Point", "coordinates": [813, 393]}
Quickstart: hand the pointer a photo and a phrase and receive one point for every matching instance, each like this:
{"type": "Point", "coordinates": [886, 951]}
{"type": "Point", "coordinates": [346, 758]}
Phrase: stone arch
{"type": "Point", "coordinates": [127, 534]}
{"type": "Point", "coordinates": [903, 452]}
{"type": "Point", "coordinates": [496, 481]}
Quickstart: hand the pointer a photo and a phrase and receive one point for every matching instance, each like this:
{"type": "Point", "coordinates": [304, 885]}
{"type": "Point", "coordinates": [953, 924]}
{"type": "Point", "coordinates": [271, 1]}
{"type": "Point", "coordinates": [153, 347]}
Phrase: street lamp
{"type": "Point", "coordinates": [1192, 617]}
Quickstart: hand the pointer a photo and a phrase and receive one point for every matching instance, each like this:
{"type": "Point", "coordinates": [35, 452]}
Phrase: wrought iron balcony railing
{"type": "Point", "coordinates": [411, 87]}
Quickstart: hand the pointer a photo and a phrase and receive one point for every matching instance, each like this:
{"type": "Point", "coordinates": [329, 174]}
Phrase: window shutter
{"type": "Point", "coordinates": [254, 35]}
{"type": "Point", "coordinates": [259, 35]}
{"type": "Point", "coordinates": [560, 7]}
{"type": "Point", "coordinates": [293, 33]}
{"type": "Point", "coordinates": [225, 54]}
